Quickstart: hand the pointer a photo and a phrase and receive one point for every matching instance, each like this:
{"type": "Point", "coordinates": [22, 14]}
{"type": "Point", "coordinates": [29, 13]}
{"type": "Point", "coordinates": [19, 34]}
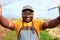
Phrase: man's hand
{"type": "Point", "coordinates": [59, 9]}
{"type": "Point", "coordinates": [58, 6]}
{"type": "Point", "coordinates": [0, 9]}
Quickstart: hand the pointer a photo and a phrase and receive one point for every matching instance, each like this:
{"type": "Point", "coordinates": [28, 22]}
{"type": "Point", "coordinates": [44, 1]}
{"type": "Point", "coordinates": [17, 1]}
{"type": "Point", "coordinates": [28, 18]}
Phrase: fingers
{"type": "Point", "coordinates": [58, 6]}
{"type": "Point", "coordinates": [0, 6]}
{"type": "Point", "coordinates": [59, 9]}
{"type": "Point", "coordinates": [0, 9]}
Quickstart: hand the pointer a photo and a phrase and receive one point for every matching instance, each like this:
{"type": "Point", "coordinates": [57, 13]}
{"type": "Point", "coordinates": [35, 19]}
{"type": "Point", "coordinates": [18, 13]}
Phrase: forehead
{"type": "Point", "coordinates": [27, 12]}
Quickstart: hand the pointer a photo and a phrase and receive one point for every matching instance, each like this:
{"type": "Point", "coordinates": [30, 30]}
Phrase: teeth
{"type": "Point", "coordinates": [27, 18]}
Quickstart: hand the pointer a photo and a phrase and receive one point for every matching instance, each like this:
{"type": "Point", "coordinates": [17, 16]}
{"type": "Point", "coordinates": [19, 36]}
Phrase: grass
{"type": "Point", "coordinates": [11, 35]}
{"type": "Point", "coordinates": [45, 36]}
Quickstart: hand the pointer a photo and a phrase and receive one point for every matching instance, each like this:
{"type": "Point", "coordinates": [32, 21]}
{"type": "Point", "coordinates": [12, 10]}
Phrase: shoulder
{"type": "Point", "coordinates": [38, 20]}
{"type": "Point", "coordinates": [16, 21]}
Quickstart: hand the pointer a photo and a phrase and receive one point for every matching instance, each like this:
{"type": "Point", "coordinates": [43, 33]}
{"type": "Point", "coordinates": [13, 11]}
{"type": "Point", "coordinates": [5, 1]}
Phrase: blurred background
{"type": "Point", "coordinates": [43, 9]}
{"type": "Point", "coordinates": [12, 8]}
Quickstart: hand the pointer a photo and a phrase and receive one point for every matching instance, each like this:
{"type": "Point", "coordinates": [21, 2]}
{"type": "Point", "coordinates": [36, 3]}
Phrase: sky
{"type": "Point", "coordinates": [13, 9]}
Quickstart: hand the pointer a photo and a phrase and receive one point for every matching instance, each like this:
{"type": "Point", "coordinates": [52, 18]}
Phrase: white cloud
{"type": "Point", "coordinates": [40, 7]}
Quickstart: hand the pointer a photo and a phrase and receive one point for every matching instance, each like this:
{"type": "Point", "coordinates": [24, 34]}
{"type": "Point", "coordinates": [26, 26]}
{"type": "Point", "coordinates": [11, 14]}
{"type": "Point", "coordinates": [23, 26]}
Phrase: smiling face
{"type": "Point", "coordinates": [27, 15]}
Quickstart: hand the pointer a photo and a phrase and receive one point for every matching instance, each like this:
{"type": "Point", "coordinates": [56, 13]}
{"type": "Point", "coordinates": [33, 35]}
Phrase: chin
{"type": "Point", "coordinates": [28, 21]}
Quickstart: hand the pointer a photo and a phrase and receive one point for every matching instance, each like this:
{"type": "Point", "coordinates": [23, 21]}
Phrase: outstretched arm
{"type": "Point", "coordinates": [52, 23]}
{"type": "Point", "coordinates": [4, 22]}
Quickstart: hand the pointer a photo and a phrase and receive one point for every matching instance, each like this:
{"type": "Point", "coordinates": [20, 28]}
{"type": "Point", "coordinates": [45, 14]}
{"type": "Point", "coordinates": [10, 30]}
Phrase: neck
{"type": "Point", "coordinates": [27, 21]}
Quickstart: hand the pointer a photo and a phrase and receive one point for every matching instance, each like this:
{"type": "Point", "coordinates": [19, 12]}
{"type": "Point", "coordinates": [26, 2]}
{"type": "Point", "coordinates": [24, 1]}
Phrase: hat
{"type": "Point", "coordinates": [27, 7]}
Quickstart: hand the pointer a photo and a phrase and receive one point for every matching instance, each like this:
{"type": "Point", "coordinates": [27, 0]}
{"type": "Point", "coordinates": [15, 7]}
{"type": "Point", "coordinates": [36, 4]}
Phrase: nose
{"type": "Point", "coordinates": [27, 15]}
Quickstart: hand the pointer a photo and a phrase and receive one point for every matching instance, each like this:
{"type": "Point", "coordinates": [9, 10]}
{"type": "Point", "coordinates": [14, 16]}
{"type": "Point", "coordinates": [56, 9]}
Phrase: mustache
{"type": "Point", "coordinates": [27, 17]}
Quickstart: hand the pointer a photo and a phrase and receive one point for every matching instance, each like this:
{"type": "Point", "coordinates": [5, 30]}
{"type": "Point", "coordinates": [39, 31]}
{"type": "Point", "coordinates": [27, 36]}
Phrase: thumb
{"type": "Point", "coordinates": [0, 9]}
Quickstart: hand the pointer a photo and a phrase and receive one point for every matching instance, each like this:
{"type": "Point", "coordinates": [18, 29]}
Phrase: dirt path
{"type": "Point", "coordinates": [3, 32]}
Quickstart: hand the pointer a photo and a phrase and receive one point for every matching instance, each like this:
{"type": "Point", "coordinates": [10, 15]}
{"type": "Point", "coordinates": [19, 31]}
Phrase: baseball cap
{"type": "Point", "coordinates": [27, 7]}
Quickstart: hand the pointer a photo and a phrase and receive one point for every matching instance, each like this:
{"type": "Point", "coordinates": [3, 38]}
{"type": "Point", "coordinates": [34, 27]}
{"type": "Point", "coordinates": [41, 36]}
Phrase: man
{"type": "Point", "coordinates": [28, 28]}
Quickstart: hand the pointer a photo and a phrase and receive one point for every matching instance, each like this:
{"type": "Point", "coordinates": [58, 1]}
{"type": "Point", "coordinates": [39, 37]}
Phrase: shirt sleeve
{"type": "Point", "coordinates": [15, 23]}
{"type": "Point", "coordinates": [40, 23]}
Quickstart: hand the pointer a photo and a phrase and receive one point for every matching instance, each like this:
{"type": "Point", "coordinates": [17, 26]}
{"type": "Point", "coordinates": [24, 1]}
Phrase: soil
{"type": "Point", "coordinates": [3, 32]}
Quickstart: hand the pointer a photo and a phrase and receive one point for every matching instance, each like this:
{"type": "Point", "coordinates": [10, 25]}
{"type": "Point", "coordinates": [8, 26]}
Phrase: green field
{"type": "Point", "coordinates": [11, 36]}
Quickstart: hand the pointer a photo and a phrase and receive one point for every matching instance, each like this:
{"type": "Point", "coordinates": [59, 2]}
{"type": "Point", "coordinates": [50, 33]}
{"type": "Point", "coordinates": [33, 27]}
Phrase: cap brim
{"type": "Point", "coordinates": [28, 9]}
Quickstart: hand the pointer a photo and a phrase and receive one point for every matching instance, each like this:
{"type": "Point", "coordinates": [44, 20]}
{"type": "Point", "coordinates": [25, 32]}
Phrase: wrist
{"type": "Point", "coordinates": [58, 19]}
{"type": "Point", "coordinates": [0, 16]}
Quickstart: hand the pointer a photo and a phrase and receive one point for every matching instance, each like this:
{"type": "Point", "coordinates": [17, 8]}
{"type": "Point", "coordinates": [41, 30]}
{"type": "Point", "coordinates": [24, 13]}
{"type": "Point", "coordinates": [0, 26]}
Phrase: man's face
{"type": "Point", "coordinates": [27, 16]}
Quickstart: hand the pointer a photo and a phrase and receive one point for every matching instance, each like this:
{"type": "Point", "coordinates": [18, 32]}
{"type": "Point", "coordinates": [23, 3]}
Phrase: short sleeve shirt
{"type": "Point", "coordinates": [37, 23]}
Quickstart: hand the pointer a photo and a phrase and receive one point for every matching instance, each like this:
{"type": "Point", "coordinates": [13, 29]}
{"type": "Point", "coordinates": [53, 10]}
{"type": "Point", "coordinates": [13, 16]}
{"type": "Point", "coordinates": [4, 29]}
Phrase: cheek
{"type": "Point", "coordinates": [30, 16]}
